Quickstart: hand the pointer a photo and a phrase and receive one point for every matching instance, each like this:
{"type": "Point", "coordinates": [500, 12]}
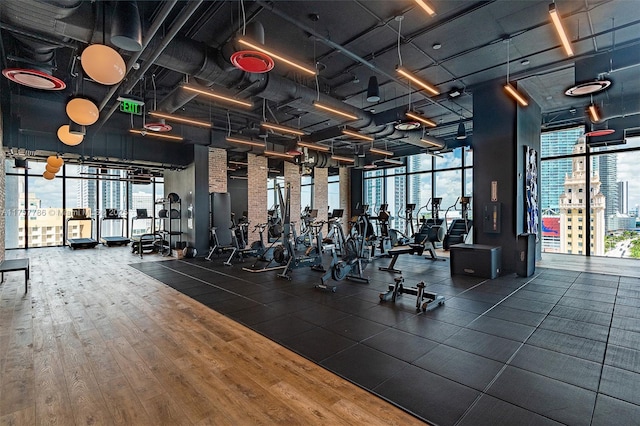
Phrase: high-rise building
{"type": "Point", "coordinates": [553, 172]}
{"type": "Point", "coordinates": [623, 197]}
{"type": "Point", "coordinates": [574, 202]}
{"type": "Point", "coordinates": [608, 171]}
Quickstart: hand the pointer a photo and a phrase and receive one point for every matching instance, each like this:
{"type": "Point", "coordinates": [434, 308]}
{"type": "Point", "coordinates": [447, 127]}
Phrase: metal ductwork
{"type": "Point", "coordinates": [605, 66]}
{"type": "Point", "coordinates": [202, 63]}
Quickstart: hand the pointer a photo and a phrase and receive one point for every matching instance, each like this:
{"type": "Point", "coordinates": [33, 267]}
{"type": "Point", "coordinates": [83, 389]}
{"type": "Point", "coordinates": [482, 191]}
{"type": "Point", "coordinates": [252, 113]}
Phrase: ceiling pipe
{"type": "Point", "coordinates": [155, 26]}
{"type": "Point", "coordinates": [180, 54]}
{"type": "Point", "coordinates": [133, 80]}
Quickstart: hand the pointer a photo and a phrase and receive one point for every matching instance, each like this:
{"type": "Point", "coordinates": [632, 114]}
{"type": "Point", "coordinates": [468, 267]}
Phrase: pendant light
{"type": "Point", "coordinates": [373, 90]}
{"type": "Point", "coordinates": [462, 131]}
{"type": "Point", "coordinates": [68, 138]}
{"type": "Point", "coordinates": [103, 63]}
{"type": "Point", "coordinates": [55, 161]}
{"type": "Point", "coordinates": [512, 91]}
{"type": "Point", "coordinates": [82, 111]}
{"type": "Point", "coordinates": [126, 30]}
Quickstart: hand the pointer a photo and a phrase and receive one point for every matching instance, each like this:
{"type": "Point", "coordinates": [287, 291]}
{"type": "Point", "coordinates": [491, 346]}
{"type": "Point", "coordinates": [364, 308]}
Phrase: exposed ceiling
{"type": "Point", "coordinates": [464, 45]}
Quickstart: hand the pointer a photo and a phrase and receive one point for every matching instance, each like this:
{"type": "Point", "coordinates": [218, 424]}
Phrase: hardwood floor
{"type": "Point", "coordinates": [97, 342]}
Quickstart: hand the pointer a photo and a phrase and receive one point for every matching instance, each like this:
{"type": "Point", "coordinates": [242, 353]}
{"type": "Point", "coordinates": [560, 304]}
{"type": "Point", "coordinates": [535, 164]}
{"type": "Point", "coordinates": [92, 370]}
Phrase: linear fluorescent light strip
{"type": "Point", "coordinates": [283, 129]}
{"type": "Point", "coordinates": [179, 119]}
{"type": "Point", "coordinates": [218, 96]}
{"type": "Point", "coordinates": [277, 154]}
{"type": "Point", "coordinates": [357, 135]}
{"type": "Point", "coordinates": [271, 53]}
{"type": "Point", "coordinates": [156, 135]}
{"type": "Point", "coordinates": [381, 151]}
{"type": "Point", "coordinates": [593, 113]}
{"type": "Point", "coordinates": [335, 111]}
{"type": "Point", "coordinates": [244, 142]}
{"type": "Point", "coordinates": [516, 95]}
{"type": "Point", "coordinates": [313, 146]}
{"type": "Point", "coordinates": [437, 145]}
{"type": "Point", "coordinates": [428, 87]}
{"type": "Point", "coordinates": [426, 7]}
{"type": "Point", "coordinates": [340, 158]}
{"type": "Point", "coordinates": [393, 161]}
{"type": "Point", "coordinates": [421, 119]}
{"type": "Point", "coordinates": [560, 29]}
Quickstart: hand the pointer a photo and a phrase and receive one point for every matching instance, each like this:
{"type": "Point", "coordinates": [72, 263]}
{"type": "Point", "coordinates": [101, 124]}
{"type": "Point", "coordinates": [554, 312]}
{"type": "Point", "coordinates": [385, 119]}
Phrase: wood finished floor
{"type": "Point", "coordinates": [97, 342]}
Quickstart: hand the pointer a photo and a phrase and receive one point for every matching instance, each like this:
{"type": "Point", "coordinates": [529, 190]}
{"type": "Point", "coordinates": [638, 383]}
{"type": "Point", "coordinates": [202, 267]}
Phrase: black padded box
{"type": "Point", "coordinates": [477, 260]}
{"type": "Point", "coordinates": [526, 255]}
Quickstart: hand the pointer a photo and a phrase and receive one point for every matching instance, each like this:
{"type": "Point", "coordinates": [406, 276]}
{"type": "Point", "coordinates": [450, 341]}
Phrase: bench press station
{"type": "Point", "coordinates": [397, 251]}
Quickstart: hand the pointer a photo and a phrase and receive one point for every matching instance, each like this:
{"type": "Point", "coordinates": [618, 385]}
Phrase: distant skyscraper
{"type": "Point", "coordinates": [552, 173]}
{"type": "Point", "coordinates": [608, 170]}
{"type": "Point", "coordinates": [623, 197]}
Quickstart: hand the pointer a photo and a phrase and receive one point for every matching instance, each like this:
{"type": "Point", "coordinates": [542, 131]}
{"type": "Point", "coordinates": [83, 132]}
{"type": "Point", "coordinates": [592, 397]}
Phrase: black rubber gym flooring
{"type": "Point", "coordinates": [560, 347]}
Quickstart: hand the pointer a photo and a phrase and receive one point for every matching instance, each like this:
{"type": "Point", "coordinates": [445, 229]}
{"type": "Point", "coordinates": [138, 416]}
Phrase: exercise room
{"type": "Point", "coordinates": [319, 212]}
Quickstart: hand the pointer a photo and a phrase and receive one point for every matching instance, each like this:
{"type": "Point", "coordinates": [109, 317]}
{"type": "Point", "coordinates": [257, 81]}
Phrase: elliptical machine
{"type": "Point", "coordinates": [383, 238]}
{"type": "Point", "coordinates": [335, 236]}
{"type": "Point", "coordinates": [459, 228]}
{"type": "Point", "coordinates": [402, 238]}
{"type": "Point", "coordinates": [431, 230]}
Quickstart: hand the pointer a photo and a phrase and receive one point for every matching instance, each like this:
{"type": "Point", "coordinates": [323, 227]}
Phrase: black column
{"type": "Point", "coordinates": [501, 130]}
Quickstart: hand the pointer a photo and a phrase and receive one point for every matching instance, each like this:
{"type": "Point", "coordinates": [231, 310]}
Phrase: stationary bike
{"type": "Point", "coordinates": [285, 254]}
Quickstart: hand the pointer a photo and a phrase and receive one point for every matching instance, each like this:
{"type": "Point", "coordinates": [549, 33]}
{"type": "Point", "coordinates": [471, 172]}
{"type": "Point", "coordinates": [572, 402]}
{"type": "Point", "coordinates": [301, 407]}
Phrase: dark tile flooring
{"type": "Point", "coordinates": [560, 347]}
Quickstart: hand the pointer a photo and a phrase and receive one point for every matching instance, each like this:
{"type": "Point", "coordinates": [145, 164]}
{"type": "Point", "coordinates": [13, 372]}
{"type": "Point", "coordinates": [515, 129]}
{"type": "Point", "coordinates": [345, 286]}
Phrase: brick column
{"type": "Point", "coordinates": [292, 176]}
{"type": "Point", "coordinates": [345, 196]}
{"type": "Point", "coordinates": [321, 191]}
{"type": "Point", "coordinates": [257, 173]}
{"type": "Point", "coordinates": [217, 170]}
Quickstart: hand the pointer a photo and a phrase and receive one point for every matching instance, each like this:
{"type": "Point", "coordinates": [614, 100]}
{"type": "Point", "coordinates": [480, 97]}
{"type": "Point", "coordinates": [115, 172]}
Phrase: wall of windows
{"type": "Point", "coordinates": [591, 196]}
{"type": "Point", "coordinates": [448, 176]}
{"type": "Point", "coordinates": [37, 209]}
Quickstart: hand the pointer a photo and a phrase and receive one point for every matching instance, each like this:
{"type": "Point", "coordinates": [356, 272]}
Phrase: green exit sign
{"type": "Point", "coordinates": [131, 105]}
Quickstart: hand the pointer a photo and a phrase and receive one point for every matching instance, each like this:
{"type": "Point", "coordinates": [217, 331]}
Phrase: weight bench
{"type": "Point", "coordinates": [16, 265]}
{"type": "Point", "coordinates": [397, 251]}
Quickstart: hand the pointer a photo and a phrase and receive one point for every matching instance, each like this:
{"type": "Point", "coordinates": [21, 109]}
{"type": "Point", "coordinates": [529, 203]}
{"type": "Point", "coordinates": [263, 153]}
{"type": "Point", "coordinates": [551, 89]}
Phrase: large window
{"type": "Point", "coordinates": [590, 200]}
{"type": "Point", "coordinates": [448, 176]}
{"type": "Point", "coordinates": [333, 188]}
{"type": "Point", "coordinates": [306, 192]}
{"type": "Point", "coordinates": [37, 210]}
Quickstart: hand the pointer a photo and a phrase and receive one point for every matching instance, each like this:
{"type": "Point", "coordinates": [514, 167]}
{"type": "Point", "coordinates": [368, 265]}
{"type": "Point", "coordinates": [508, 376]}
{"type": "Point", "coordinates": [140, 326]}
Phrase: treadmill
{"type": "Point", "coordinates": [80, 215]}
{"type": "Point", "coordinates": [112, 216]}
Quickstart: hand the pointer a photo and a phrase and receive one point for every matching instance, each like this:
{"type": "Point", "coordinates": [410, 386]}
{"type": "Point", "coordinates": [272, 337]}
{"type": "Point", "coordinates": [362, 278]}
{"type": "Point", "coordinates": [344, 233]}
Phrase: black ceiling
{"type": "Point", "coordinates": [348, 41]}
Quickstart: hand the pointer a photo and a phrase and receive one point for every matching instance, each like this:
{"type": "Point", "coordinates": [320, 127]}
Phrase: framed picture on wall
{"type": "Point", "coordinates": [532, 216]}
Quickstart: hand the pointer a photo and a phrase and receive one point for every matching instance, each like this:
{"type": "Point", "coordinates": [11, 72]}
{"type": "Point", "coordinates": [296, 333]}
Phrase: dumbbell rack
{"type": "Point", "coordinates": [170, 224]}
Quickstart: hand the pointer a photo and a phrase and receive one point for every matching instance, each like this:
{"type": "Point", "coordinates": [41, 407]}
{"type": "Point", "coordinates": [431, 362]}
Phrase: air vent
{"type": "Point", "coordinates": [158, 126]}
{"type": "Point", "coordinates": [34, 78]}
{"type": "Point", "coordinates": [588, 88]}
{"type": "Point", "coordinates": [252, 61]}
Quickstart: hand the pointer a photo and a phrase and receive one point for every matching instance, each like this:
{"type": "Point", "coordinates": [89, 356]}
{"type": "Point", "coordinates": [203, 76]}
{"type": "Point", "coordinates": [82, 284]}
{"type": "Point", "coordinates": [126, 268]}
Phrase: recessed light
{"type": "Point", "coordinates": [436, 46]}
{"type": "Point", "coordinates": [524, 62]}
